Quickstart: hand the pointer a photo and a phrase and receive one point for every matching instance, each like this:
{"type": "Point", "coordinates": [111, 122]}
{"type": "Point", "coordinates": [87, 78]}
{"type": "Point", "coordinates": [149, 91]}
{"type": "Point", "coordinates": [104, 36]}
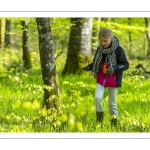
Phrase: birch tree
{"type": "Point", "coordinates": [79, 47]}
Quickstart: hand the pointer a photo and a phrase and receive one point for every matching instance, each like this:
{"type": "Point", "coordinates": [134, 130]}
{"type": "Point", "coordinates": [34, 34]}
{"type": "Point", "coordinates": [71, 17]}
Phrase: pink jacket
{"type": "Point", "coordinates": [104, 79]}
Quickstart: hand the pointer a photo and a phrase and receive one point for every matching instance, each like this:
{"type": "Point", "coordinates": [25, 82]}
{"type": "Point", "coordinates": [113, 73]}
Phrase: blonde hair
{"type": "Point", "coordinates": [106, 33]}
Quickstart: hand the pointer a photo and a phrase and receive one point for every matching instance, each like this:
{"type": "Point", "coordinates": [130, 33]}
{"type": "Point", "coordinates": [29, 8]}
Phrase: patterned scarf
{"type": "Point", "coordinates": [111, 56]}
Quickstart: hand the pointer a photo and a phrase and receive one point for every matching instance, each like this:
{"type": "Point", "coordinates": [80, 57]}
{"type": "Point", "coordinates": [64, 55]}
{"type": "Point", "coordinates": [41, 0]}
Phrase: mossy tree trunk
{"type": "Point", "coordinates": [26, 52]}
{"type": "Point", "coordinates": [48, 67]}
{"type": "Point", "coordinates": [0, 33]}
{"type": "Point", "coordinates": [147, 35]}
{"type": "Point", "coordinates": [79, 47]}
{"type": "Point", "coordinates": [7, 34]}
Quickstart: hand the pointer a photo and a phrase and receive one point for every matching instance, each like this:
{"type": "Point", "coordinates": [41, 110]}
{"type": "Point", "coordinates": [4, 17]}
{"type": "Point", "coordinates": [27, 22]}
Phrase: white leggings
{"type": "Point", "coordinates": [112, 92]}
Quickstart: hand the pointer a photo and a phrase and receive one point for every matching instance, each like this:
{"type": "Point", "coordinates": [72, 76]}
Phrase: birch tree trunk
{"type": "Point", "coordinates": [147, 35]}
{"type": "Point", "coordinates": [79, 47]}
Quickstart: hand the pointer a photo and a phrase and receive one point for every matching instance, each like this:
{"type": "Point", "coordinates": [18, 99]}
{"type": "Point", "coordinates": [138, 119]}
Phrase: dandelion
{"type": "Point", "coordinates": [58, 123]}
{"type": "Point", "coordinates": [91, 108]}
{"type": "Point", "coordinates": [134, 122]}
{"type": "Point", "coordinates": [80, 111]}
{"type": "Point", "coordinates": [30, 125]}
{"type": "Point", "coordinates": [35, 104]}
{"type": "Point", "coordinates": [16, 104]}
{"type": "Point", "coordinates": [24, 74]}
{"type": "Point", "coordinates": [65, 82]}
{"type": "Point", "coordinates": [29, 88]}
{"type": "Point", "coordinates": [143, 125]}
{"type": "Point", "coordinates": [64, 118]}
{"type": "Point", "coordinates": [16, 78]}
{"type": "Point", "coordinates": [27, 105]}
{"type": "Point", "coordinates": [126, 113]}
{"type": "Point", "coordinates": [43, 112]}
{"type": "Point", "coordinates": [71, 121]}
{"type": "Point", "coordinates": [79, 126]}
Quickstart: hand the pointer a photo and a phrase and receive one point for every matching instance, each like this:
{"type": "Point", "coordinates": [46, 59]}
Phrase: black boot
{"type": "Point", "coordinates": [113, 122]}
{"type": "Point", "coordinates": [99, 117]}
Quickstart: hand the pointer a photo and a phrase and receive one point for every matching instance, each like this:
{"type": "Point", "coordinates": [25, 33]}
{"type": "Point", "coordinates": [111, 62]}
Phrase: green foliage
{"type": "Point", "coordinates": [60, 28]}
{"type": "Point", "coordinates": [22, 96]}
{"type": "Point", "coordinates": [121, 28]}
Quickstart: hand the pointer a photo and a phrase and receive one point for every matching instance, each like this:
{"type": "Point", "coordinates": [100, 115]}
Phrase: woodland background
{"type": "Point", "coordinates": [43, 87]}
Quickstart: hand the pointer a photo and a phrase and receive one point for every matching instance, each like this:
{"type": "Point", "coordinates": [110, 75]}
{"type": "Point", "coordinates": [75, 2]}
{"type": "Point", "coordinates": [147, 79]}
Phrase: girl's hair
{"type": "Point", "coordinates": [106, 32]}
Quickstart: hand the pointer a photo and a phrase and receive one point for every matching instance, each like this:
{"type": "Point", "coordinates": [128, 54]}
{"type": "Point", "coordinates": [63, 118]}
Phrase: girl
{"type": "Point", "coordinates": [108, 65]}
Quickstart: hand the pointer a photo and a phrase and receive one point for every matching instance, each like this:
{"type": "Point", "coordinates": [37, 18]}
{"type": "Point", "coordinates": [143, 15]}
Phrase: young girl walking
{"type": "Point", "coordinates": [108, 65]}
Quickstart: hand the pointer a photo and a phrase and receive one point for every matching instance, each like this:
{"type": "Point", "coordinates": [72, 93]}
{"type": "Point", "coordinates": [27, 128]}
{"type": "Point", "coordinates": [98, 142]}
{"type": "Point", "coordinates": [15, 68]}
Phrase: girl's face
{"type": "Point", "coordinates": [105, 42]}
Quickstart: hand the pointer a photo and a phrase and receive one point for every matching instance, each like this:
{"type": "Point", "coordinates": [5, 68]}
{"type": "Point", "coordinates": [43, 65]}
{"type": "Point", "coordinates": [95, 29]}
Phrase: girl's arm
{"type": "Point", "coordinates": [122, 62]}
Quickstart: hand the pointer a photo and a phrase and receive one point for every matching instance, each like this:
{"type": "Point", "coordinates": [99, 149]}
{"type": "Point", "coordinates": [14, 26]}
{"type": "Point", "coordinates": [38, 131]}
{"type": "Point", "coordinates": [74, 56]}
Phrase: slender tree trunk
{"type": "Point", "coordinates": [7, 34]}
{"type": "Point", "coordinates": [48, 67]}
{"type": "Point", "coordinates": [130, 37]}
{"type": "Point", "coordinates": [104, 19]}
{"type": "Point", "coordinates": [3, 22]}
{"type": "Point", "coordinates": [26, 53]}
{"type": "Point", "coordinates": [95, 31]}
{"type": "Point", "coordinates": [113, 19]}
{"type": "Point", "coordinates": [147, 35]}
{"type": "Point", "coordinates": [0, 33]}
{"type": "Point", "coordinates": [79, 48]}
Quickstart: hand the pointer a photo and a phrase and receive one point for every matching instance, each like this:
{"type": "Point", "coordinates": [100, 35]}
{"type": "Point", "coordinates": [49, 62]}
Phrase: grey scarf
{"type": "Point", "coordinates": [111, 56]}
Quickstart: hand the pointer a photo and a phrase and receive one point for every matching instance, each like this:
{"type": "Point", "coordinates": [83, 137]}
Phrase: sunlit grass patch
{"type": "Point", "coordinates": [21, 100]}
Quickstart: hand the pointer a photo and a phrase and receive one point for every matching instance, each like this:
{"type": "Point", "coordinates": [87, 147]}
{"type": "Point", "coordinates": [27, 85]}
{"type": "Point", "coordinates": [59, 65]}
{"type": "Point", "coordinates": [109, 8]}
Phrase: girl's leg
{"type": "Point", "coordinates": [112, 93]}
{"type": "Point", "coordinates": [98, 103]}
{"type": "Point", "coordinates": [98, 98]}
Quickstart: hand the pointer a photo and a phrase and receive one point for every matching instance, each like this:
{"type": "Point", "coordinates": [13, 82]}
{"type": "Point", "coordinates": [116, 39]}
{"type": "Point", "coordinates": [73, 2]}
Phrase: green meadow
{"type": "Point", "coordinates": [21, 97]}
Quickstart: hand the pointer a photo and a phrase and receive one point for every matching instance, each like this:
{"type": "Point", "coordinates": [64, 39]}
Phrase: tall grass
{"type": "Point", "coordinates": [21, 97]}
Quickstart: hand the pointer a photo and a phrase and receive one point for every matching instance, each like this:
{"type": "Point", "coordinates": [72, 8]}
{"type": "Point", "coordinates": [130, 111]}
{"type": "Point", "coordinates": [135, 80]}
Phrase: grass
{"type": "Point", "coordinates": [22, 95]}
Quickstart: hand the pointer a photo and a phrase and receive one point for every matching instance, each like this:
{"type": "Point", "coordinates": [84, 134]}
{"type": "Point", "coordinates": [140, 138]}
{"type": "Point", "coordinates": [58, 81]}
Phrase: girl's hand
{"type": "Point", "coordinates": [110, 71]}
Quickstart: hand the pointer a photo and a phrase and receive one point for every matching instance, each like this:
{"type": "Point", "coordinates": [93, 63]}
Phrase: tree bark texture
{"type": "Point", "coordinates": [80, 45]}
{"type": "Point", "coordinates": [0, 33]}
{"type": "Point", "coordinates": [7, 34]}
{"type": "Point", "coordinates": [147, 35]}
{"type": "Point", "coordinates": [26, 53]}
{"type": "Point", "coordinates": [48, 67]}
{"type": "Point", "coordinates": [130, 37]}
